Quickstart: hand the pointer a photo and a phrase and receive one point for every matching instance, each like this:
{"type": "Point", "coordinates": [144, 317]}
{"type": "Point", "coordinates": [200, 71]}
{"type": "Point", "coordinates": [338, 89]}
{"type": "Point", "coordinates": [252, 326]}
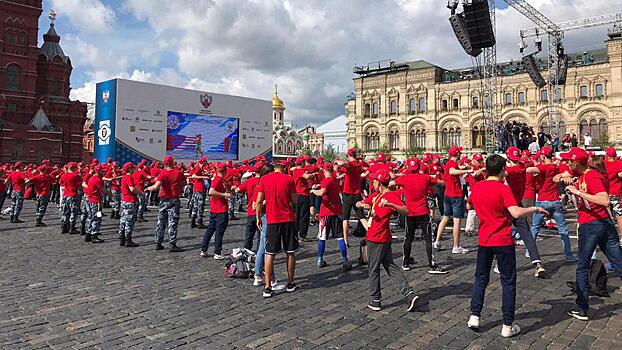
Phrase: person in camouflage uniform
{"type": "Point", "coordinates": [96, 190]}
{"type": "Point", "coordinates": [199, 176]}
{"type": "Point", "coordinates": [42, 181]}
{"type": "Point", "coordinates": [17, 179]}
{"type": "Point", "coordinates": [129, 206]}
{"type": "Point", "coordinates": [71, 182]}
{"type": "Point", "coordinates": [113, 176]}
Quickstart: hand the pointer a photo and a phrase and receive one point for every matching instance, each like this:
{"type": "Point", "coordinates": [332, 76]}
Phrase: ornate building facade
{"type": "Point", "coordinates": [37, 118]}
{"type": "Point", "coordinates": [423, 106]}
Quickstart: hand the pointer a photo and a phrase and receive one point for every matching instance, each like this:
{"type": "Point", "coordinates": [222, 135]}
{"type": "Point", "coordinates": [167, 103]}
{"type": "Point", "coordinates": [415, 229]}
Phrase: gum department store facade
{"type": "Point", "coordinates": [428, 107]}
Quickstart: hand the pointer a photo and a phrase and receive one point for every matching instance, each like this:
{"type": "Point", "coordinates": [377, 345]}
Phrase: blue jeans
{"type": "Point", "coordinates": [454, 207]}
{"type": "Point", "coordinates": [601, 233]}
{"type": "Point", "coordinates": [218, 223]}
{"type": "Point", "coordinates": [506, 261]}
{"type": "Point", "coordinates": [557, 211]}
{"type": "Point", "coordinates": [261, 250]}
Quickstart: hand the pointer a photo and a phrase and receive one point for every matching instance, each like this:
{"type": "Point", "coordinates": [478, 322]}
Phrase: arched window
{"type": "Point", "coordinates": [416, 136]}
{"type": "Point", "coordinates": [367, 110]}
{"type": "Point", "coordinates": [412, 106]}
{"type": "Point", "coordinates": [521, 98]}
{"type": "Point", "coordinates": [290, 147]}
{"type": "Point", "coordinates": [279, 147]}
{"type": "Point", "coordinates": [475, 102]}
{"type": "Point", "coordinates": [583, 127]}
{"type": "Point", "coordinates": [421, 104]}
{"type": "Point", "coordinates": [594, 130]}
{"type": "Point", "coordinates": [13, 77]}
{"type": "Point", "coordinates": [451, 136]}
{"type": "Point", "coordinates": [18, 151]}
{"type": "Point", "coordinates": [583, 91]}
{"type": "Point", "coordinates": [393, 107]}
{"type": "Point", "coordinates": [394, 137]}
{"type": "Point", "coordinates": [478, 136]}
{"type": "Point", "coordinates": [371, 139]}
{"type": "Point", "coordinates": [375, 111]}
{"type": "Point", "coordinates": [600, 90]}
{"type": "Point", "coordinates": [544, 95]}
{"type": "Point", "coordinates": [455, 103]}
{"type": "Point", "coordinates": [444, 105]}
{"type": "Point", "coordinates": [603, 130]}
{"type": "Point", "coordinates": [508, 98]}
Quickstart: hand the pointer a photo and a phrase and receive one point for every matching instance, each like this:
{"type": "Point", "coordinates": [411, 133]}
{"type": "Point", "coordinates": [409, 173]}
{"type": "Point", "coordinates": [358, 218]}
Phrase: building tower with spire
{"type": "Point", "coordinates": [277, 108]}
{"type": "Point", "coordinates": [37, 119]}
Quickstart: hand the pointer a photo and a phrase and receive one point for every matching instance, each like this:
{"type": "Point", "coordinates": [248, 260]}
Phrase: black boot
{"type": "Point", "coordinates": [96, 239]}
{"type": "Point", "coordinates": [87, 238]}
{"type": "Point", "coordinates": [65, 228]}
{"type": "Point", "coordinates": [12, 218]}
{"type": "Point", "coordinates": [122, 239]}
{"type": "Point", "coordinates": [83, 228]}
{"type": "Point", "coordinates": [175, 249]}
{"type": "Point", "coordinates": [129, 243]}
{"type": "Point", "coordinates": [193, 223]}
{"type": "Point", "coordinates": [73, 230]}
{"type": "Point", "coordinates": [39, 223]}
{"type": "Point", "coordinates": [159, 246]}
{"type": "Point", "coordinates": [17, 220]}
{"type": "Point", "coordinates": [201, 225]}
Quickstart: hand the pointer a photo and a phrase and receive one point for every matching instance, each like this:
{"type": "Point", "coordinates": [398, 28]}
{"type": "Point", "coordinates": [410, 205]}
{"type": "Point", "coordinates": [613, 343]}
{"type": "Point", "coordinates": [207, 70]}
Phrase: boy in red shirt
{"type": "Point", "coordinates": [219, 213]}
{"type": "Point", "coordinates": [95, 191]}
{"type": "Point", "coordinates": [614, 175]}
{"type": "Point", "coordinates": [198, 176]}
{"type": "Point", "coordinates": [71, 182]}
{"type": "Point", "coordinates": [43, 186]}
{"type": "Point", "coordinates": [277, 193]}
{"type": "Point", "coordinates": [113, 177]}
{"type": "Point", "coordinates": [495, 206]}
{"type": "Point", "coordinates": [382, 204]}
{"type": "Point", "coordinates": [17, 179]}
{"type": "Point", "coordinates": [351, 190]}
{"type": "Point", "coordinates": [595, 225]}
{"type": "Point", "coordinates": [302, 178]}
{"type": "Point", "coordinates": [330, 220]}
{"type": "Point", "coordinates": [129, 206]}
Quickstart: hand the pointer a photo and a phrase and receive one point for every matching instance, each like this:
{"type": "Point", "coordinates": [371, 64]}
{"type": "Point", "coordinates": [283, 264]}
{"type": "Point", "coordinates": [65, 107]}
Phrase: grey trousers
{"type": "Point", "coordinates": [380, 254]}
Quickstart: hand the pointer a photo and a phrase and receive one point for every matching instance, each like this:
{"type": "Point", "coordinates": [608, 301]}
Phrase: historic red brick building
{"type": "Point", "coordinates": [37, 118]}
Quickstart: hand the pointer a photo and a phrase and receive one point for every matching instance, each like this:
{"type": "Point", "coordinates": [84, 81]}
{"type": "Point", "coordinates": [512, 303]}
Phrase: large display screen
{"type": "Point", "coordinates": [192, 136]}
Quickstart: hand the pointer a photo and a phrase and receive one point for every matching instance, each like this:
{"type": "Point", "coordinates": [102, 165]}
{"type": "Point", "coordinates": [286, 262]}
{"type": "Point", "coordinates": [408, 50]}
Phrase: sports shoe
{"type": "Point", "coordinates": [291, 287]}
{"type": "Point", "coordinates": [571, 258]}
{"type": "Point", "coordinates": [159, 246]}
{"type": "Point", "coordinates": [509, 331]}
{"type": "Point", "coordinates": [578, 314]}
{"type": "Point", "coordinates": [276, 286]}
{"type": "Point", "coordinates": [175, 249]}
{"type": "Point", "coordinates": [405, 266]}
{"type": "Point", "coordinates": [436, 245]}
{"type": "Point", "coordinates": [411, 298]}
{"type": "Point", "coordinates": [411, 260]}
{"type": "Point", "coordinates": [496, 269]}
{"type": "Point", "coordinates": [459, 250]}
{"type": "Point", "coordinates": [322, 263]}
{"type": "Point", "coordinates": [204, 254]}
{"type": "Point", "coordinates": [257, 282]}
{"type": "Point", "coordinates": [267, 293]}
{"type": "Point", "coordinates": [540, 271]}
{"type": "Point", "coordinates": [437, 270]}
{"type": "Point", "coordinates": [346, 266]}
{"type": "Point", "coordinates": [219, 257]}
{"type": "Point", "coordinates": [473, 322]}
{"type": "Point", "coordinates": [375, 305]}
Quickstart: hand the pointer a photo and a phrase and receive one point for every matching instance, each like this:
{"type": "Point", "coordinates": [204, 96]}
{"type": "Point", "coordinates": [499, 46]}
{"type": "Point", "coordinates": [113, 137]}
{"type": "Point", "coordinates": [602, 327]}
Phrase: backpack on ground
{"type": "Point", "coordinates": [360, 230]}
{"type": "Point", "coordinates": [363, 258]}
{"type": "Point", "coordinates": [240, 264]}
{"type": "Point", "coordinates": [597, 280]}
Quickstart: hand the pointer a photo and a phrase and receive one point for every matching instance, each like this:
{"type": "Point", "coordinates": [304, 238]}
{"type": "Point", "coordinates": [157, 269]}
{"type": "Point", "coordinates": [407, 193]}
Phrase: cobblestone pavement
{"type": "Point", "coordinates": [58, 292]}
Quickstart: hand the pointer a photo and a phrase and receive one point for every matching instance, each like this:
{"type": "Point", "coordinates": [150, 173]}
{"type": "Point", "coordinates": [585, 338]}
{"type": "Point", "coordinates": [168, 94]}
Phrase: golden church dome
{"type": "Point", "coordinates": [277, 103]}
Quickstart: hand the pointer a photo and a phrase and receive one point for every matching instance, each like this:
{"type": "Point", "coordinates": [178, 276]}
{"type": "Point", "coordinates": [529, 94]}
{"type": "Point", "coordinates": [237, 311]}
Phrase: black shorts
{"type": "Point", "coordinates": [349, 203]}
{"type": "Point", "coordinates": [330, 227]}
{"type": "Point", "coordinates": [282, 236]}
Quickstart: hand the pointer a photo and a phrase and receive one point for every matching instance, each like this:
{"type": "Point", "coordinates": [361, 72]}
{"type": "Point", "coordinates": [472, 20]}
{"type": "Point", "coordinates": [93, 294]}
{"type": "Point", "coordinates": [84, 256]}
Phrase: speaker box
{"type": "Point", "coordinates": [529, 62]}
{"type": "Point", "coordinates": [459, 26]}
{"type": "Point", "coordinates": [478, 25]}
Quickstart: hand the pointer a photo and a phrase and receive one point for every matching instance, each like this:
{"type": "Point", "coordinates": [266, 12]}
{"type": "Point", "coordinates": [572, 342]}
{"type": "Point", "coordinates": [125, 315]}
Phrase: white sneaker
{"type": "Point", "coordinates": [496, 269]}
{"type": "Point", "coordinates": [219, 257]}
{"type": "Point", "coordinates": [459, 250]}
{"type": "Point", "coordinates": [276, 286]}
{"type": "Point", "coordinates": [510, 331]}
{"type": "Point", "coordinates": [473, 322]}
{"type": "Point", "coordinates": [258, 282]}
{"type": "Point", "coordinates": [204, 254]}
{"type": "Point", "coordinates": [436, 245]}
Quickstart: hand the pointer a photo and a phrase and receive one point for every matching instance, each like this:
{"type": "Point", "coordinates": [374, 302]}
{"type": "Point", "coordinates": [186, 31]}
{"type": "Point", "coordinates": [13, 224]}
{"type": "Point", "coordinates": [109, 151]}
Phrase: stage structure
{"type": "Point", "coordinates": [136, 120]}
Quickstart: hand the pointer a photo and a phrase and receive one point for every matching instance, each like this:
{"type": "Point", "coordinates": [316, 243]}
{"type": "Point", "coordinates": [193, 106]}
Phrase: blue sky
{"type": "Point", "coordinates": [307, 47]}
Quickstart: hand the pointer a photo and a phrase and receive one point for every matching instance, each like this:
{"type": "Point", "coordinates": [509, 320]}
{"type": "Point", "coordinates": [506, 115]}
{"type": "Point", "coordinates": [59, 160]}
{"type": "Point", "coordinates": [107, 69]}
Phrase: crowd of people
{"type": "Point", "coordinates": [513, 196]}
{"type": "Point", "coordinates": [522, 136]}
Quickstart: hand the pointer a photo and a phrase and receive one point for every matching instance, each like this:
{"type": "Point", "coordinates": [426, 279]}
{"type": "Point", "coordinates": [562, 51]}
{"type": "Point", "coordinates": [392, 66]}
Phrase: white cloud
{"type": "Point", "coordinates": [87, 15]}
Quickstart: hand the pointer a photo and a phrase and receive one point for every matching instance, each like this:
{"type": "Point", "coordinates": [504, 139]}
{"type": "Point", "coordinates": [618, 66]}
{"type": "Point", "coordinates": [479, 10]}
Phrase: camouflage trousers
{"type": "Point", "coordinates": [199, 205]}
{"type": "Point", "coordinates": [94, 221]}
{"type": "Point", "coordinates": [233, 202]}
{"type": "Point", "coordinates": [84, 211]}
{"type": "Point", "coordinates": [168, 214]}
{"type": "Point", "coordinates": [17, 202]}
{"type": "Point", "coordinates": [115, 200]}
{"type": "Point", "coordinates": [71, 210]}
{"type": "Point", "coordinates": [142, 204]}
{"type": "Point", "coordinates": [129, 212]}
{"type": "Point", "coordinates": [42, 206]}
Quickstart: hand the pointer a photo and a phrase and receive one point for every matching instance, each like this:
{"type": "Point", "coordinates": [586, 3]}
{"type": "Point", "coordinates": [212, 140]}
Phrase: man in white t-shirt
{"type": "Point", "coordinates": [587, 139]}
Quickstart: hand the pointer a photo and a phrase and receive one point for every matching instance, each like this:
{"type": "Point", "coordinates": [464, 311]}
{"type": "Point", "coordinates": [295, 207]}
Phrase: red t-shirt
{"type": "Point", "coordinates": [379, 230]}
{"type": "Point", "coordinates": [453, 187]}
{"type": "Point", "coordinates": [172, 183]}
{"type": "Point", "coordinates": [302, 184]}
{"type": "Point", "coordinates": [491, 200]}
{"type": "Point", "coordinates": [18, 181]}
{"type": "Point", "coordinates": [331, 203]}
{"type": "Point", "coordinates": [591, 182]}
{"type": "Point", "coordinates": [250, 187]}
{"type": "Point", "coordinates": [278, 189]}
{"type": "Point", "coordinates": [517, 180]}
{"type": "Point", "coordinates": [615, 182]}
{"type": "Point", "coordinates": [94, 186]}
{"type": "Point", "coordinates": [127, 195]}
{"type": "Point", "coordinates": [548, 188]}
{"type": "Point", "coordinates": [218, 204]}
{"type": "Point", "coordinates": [530, 186]}
{"type": "Point", "coordinates": [43, 183]}
{"type": "Point", "coordinates": [71, 183]}
{"type": "Point", "coordinates": [352, 179]}
{"type": "Point", "coordinates": [139, 179]}
{"type": "Point", "coordinates": [198, 184]}
{"type": "Point", "coordinates": [417, 187]}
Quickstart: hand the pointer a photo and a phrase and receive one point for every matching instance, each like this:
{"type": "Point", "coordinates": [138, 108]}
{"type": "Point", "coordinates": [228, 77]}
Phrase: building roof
{"type": "Point", "coordinates": [51, 47]}
{"type": "Point", "coordinates": [419, 64]}
{"type": "Point", "coordinates": [40, 121]}
{"type": "Point", "coordinates": [336, 125]}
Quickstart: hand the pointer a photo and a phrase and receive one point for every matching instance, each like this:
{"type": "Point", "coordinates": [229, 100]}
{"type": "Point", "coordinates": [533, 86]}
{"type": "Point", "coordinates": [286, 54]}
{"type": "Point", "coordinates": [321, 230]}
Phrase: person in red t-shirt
{"type": "Point", "coordinates": [141, 177]}
{"type": "Point", "coordinates": [43, 187]}
{"type": "Point", "coordinates": [595, 225]}
{"type": "Point", "coordinates": [548, 199]}
{"type": "Point", "coordinates": [199, 176]}
{"type": "Point", "coordinates": [495, 206]}
{"type": "Point", "coordinates": [170, 182]}
{"type": "Point", "coordinates": [351, 191]}
{"type": "Point", "coordinates": [250, 188]}
{"type": "Point", "coordinates": [478, 174]}
{"type": "Point", "coordinates": [277, 193]}
{"type": "Point", "coordinates": [417, 187]}
{"type": "Point", "coordinates": [17, 179]}
{"type": "Point", "coordinates": [219, 192]}
{"type": "Point", "coordinates": [330, 220]}
{"type": "Point", "coordinates": [129, 206]}
{"type": "Point", "coordinates": [454, 199]}
{"type": "Point", "coordinates": [614, 175]}
{"type": "Point", "coordinates": [113, 178]}
{"type": "Point", "coordinates": [302, 178]}
{"type": "Point", "coordinates": [382, 204]}
{"type": "Point", "coordinates": [71, 182]}
{"type": "Point", "coordinates": [95, 192]}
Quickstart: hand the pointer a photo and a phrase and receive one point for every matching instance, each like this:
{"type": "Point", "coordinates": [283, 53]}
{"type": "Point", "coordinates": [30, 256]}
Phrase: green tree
{"type": "Point", "coordinates": [414, 152]}
{"type": "Point", "coordinates": [329, 153]}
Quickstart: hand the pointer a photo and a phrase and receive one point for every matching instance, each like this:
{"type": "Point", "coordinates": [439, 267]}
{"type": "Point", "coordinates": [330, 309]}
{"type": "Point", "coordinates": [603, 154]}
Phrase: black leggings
{"type": "Point", "coordinates": [425, 224]}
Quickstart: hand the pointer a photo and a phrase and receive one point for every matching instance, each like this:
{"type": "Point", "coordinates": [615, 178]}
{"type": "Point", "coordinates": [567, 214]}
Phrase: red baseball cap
{"type": "Point", "coordinates": [478, 157]}
{"type": "Point", "coordinates": [127, 166]}
{"type": "Point", "coordinates": [300, 160]}
{"type": "Point", "coordinates": [427, 158]}
{"type": "Point", "coordinates": [454, 150]}
{"type": "Point", "coordinates": [168, 160]}
{"type": "Point", "coordinates": [382, 176]}
{"type": "Point", "coordinates": [526, 153]}
{"type": "Point", "coordinates": [381, 156]}
{"type": "Point", "coordinates": [352, 152]}
{"type": "Point", "coordinates": [546, 150]}
{"type": "Point", "coordinates": [94, 161]}
{"type": "Point", "coordinates": [327, 166]}
{"type": "Point", "coordinates": [611, 152]}
{"type": "Point", "coordinates": [513, 154]}
{"type": "Point", "coordinates": [576, 154]}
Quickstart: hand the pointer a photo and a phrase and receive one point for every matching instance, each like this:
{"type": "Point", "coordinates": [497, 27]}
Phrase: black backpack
{"type": "Point", "coordinates": [597, 279]}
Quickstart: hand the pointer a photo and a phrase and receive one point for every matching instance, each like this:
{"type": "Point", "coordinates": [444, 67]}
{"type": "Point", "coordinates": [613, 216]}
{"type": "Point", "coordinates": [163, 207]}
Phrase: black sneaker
{"type": "Point", "coordinates": [411, 261]}
{"type": "Point", "coordinates": [405, 266]}
{"type": "Point", "coordinates": [437, 270]}
{"type": "Point", "coordinates": [96, 239]}
{"type": "Point", "coordinates": [291, 287]}
{"type": "Point", "coordinates": [175, 249]}
{"type": "Point", "coordinates": [411, 298]}
{"type": "Point", "coordinates": [267, 292]}
{"type": "Point", "coordinates": [578, 314]}
{"type": "Point", "coordinates": [159, 246]}
{"type": "Point", "coordinates": [375, 305]}
{"type": "Point", "coordinates": [346, 266]}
